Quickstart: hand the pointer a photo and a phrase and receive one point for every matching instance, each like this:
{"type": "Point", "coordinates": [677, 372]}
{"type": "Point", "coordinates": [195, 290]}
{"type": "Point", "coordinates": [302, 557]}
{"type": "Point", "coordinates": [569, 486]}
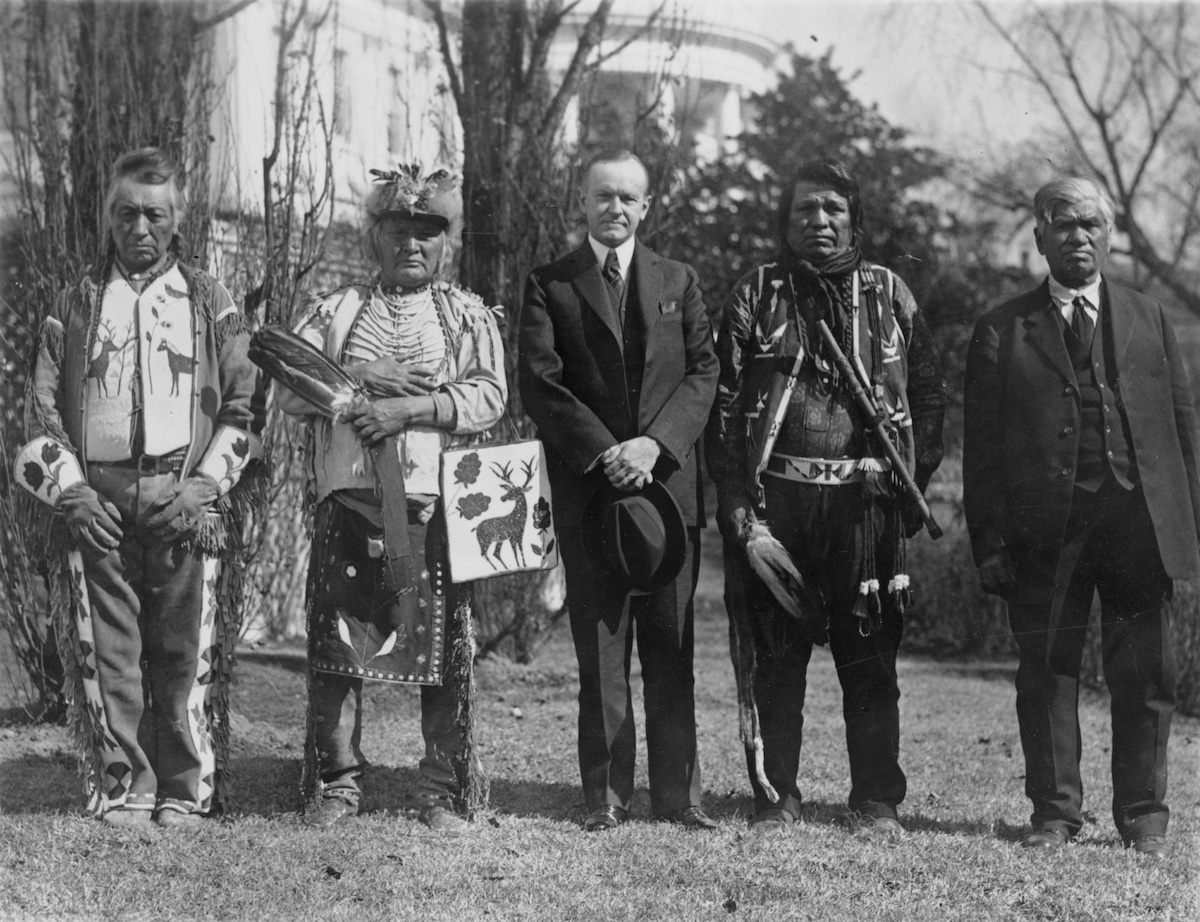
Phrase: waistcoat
{"type": "Point", "coordinates": [633, 348]}
{"type": "Point", "coordinates": [1103, 441]}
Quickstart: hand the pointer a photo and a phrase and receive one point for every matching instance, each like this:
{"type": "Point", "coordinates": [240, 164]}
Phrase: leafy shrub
{"type": "Point", "coordinates": [951, 615]}
{"type": "Point", "coordinates": [1185, 641]}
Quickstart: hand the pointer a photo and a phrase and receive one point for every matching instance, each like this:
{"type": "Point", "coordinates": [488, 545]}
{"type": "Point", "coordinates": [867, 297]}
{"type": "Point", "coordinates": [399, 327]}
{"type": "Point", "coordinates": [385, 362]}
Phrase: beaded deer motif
{"type": "Point", "coordinates": [493, 532]}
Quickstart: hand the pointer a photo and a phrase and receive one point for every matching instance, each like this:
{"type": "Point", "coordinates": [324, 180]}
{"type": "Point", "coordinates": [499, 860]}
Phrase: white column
{"type": "Point", "coordinates": [730, 124]}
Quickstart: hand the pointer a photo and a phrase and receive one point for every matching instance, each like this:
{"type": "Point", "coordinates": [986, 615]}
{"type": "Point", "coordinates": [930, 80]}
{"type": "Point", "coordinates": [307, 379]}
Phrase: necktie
{"type": "Point", "coordinates": [612, 276]}
{"type": "Point", "coordinates": [1081, 322]}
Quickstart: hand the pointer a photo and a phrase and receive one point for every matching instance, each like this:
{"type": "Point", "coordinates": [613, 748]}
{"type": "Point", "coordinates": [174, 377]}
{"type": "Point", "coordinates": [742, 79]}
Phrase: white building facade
{"type": "Point", "coordinates": [385, 97]}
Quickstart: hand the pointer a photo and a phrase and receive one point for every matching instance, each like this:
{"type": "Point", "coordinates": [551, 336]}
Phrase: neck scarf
{"type": "Point", "coordinates": [827, 279]}
{"type": "Point", "coordinates": [828, 287]}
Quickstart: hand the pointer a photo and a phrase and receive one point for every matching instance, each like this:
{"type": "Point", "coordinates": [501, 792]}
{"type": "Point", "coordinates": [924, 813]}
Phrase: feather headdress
{"type": "Point", "coordinates": [409, 190]}
{"type": "Point", "coordinates": [305, 370]}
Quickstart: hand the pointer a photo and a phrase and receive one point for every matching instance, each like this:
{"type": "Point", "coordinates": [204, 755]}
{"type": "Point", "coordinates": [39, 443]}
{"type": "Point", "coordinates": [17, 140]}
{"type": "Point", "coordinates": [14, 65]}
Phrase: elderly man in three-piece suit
{"type": "Point", "coordinates": [618, 371]}
{"type": "Point", "coordinates": [1079, 475]}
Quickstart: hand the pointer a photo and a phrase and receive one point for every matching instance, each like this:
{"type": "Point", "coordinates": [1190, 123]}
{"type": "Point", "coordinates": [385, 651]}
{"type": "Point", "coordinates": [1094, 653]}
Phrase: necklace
{"type": "Point", "coordinates": [400, 323]}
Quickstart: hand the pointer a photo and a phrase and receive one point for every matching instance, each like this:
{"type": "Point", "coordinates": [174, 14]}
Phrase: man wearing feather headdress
{"type": "Point", "coordinates": [787, 445]}
{"type": "Point", "coordinates": [143, 414]}
{"type": "Point", "coordinates": [428, 361]}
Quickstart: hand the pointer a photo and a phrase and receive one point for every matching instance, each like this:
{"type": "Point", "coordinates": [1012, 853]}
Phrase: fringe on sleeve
{"type": "Point", "coordinates": [85, 718]}
{"type": "Point", "coordinates": [231, 325]}
{"type": "Point", "coordinates": [48, 537]}
{"type": "Point", "coordinates": [50, 341]}
{"type": "Point", "coordinates": [221, 530]}
{"type": "Point", "coordinates": [476, 785]}
{"type": "Point", "coordinates": [229, 613]}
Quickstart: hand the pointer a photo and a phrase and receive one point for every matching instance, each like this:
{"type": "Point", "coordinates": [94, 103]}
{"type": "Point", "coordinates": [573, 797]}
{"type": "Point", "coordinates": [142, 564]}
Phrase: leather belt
{"type": "Point", "coordinates": [831, 472]}
{"type": "Point", "coordinates": [151, 465]}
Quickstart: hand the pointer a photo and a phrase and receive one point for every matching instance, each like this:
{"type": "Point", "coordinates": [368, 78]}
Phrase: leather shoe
{"type": "Point", "coordinates": [770, 821]}
{"type": "Point", "coordinates": [1046, 838]}
{"type": "Point", "coordinates": [690, 818]}
{"type": "Point", "coordinates": [442, 819]}
{"type": "Point", "coordinates": [1152, 846]}
{"type": "Point", "coordinates": [607, 817]}
{"type": "Point", "coordinates": [331, 810]}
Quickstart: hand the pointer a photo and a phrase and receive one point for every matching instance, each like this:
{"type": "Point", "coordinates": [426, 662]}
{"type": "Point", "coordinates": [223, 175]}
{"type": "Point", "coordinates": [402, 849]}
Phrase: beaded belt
{"type": "Point", "coordinates": [827, 472]}
{"type": "Point", "coordinates": [149, 465]}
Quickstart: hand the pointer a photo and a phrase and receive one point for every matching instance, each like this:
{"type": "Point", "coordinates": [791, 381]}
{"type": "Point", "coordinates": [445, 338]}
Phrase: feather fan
{"type": "Point", "coordinates": [305, 370]}
{"type": "Point", "coordinates": [774, 566]}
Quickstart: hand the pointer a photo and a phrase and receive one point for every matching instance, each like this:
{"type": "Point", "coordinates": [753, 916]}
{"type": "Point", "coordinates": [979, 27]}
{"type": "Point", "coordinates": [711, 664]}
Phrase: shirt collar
{"type": "Point", "coordinates": [624, 254]}
{"type": "Point", "coordinates": [140, 281]}
{"type": "Point", "coordinates": [1063, 295]}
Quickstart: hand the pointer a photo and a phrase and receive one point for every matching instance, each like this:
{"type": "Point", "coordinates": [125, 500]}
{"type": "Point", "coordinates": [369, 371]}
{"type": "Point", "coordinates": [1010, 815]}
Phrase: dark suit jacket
{"type": "Point", "coordinates": [572, 373]}
{"type": "Point", "coordinates": [1022, 414]}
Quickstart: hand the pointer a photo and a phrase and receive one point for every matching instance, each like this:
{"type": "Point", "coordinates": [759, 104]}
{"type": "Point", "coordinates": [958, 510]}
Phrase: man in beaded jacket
{"type": "Point", "coordinates": [143, 415]}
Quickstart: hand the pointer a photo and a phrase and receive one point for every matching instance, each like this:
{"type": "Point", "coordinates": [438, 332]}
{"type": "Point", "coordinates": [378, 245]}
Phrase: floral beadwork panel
{"type": "Point", "coordinates": [499, 512]}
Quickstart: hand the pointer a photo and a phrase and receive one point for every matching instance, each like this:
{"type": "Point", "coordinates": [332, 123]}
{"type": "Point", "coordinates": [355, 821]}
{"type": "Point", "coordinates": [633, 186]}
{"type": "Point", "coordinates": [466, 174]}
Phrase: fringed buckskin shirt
{"type": "Point", "coordinates": [470, 388]}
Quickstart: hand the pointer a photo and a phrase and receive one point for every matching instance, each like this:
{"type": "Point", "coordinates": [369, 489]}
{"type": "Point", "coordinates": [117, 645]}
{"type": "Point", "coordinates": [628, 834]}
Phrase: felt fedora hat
{"type": "Point", "coordinates": [638, 539]}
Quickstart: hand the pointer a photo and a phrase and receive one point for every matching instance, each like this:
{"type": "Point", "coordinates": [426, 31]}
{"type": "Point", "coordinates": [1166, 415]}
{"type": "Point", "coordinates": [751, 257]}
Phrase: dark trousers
{"type": "Point", "coordinates": [1109, 547]}
{"type": "Point", "coordinates": [604, 620]}
{"type": "Point", "coordinates": [146, 607]}
{"type": "Point", "coordinates": [822, 528]}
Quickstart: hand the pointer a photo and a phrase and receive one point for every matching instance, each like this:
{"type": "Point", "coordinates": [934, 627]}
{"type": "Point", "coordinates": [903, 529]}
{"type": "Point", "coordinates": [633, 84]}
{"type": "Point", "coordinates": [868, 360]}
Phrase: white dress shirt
{"type": "Point", "coordinates": [1064, 298]}
{"type": "Point", "coordinates": [624, 255]}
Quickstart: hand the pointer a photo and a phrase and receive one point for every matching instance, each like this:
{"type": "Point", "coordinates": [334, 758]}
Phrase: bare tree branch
{"type": "Point", "coordinates": [1042, 80]}
{"type": "Point", "coordinates": [642, 30]}
{"type": "Point", "coordinates": [590, 37]}
{"type": "Point", "coordinates": [227, 13]}
{"type": "Point", "coordinates": [1191, 210]}
{"type": "Point", "coordinates": [545, 28]}
{"type": "Point", "coordinates": [1118, 113]}
{"type": "Point", "coordinates": [286, 37]}
{"type": "Point", "coordinates": [1174, 66]}
{"type": "Point", "coordinates": [443, 31]}
{"type": "Point", "coordinates": [1156, 133]}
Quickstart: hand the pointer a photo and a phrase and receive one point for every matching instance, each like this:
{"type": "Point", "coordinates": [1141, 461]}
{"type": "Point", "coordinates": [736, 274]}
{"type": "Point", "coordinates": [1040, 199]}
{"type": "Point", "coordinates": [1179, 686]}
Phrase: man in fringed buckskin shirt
{"type": "Point", "coordinates": [381, 604]}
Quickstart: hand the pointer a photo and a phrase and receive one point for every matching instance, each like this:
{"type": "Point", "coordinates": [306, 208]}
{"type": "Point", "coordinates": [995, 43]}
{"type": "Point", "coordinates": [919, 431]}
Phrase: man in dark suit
{"type": "Point", "coordinates": [617, 369]}
{"type": "Point", "coordinates": [1079, 475]}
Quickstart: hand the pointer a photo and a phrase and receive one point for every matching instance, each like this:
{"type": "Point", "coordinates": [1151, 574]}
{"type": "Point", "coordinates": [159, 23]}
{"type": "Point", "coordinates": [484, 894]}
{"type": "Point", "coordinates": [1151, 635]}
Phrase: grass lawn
{"type": "Point", "coordinates": [528, 859]}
